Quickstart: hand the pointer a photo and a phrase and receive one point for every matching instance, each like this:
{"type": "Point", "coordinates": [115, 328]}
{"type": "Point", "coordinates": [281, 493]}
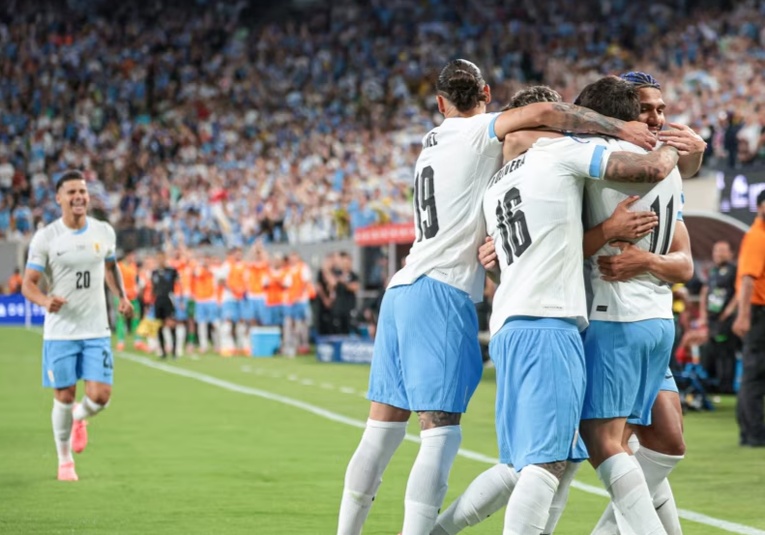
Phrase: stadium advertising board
{"type": "Point", "coordinates": [347, 349]}
{"type": "Point", "coordinates": [738, 190]}
{"type": "Point", "coordinates": [15, 310]}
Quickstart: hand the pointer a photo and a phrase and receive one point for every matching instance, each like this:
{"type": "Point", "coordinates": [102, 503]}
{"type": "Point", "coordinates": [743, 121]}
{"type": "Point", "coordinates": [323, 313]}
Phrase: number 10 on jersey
{"type": "Point", "coordinates": [425, 214]}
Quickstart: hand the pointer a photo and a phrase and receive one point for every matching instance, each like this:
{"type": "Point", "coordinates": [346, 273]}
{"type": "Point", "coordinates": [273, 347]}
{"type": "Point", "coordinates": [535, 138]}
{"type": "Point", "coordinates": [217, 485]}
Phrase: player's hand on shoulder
{"type": "Point", "coordinates": [638, 134]}
{"type": "Point", "coordinates": [629, 263]}
{"type": "Point", "coordinates": [684, 139]}
{"type": "Point", "coordinates": [487, 254]}
{"type": "Point", "coordinates": [627, 225]}
{"type": "Point", "coordinates": [54, 303]}
{"type": "Point", "coordinates": [125, 307]}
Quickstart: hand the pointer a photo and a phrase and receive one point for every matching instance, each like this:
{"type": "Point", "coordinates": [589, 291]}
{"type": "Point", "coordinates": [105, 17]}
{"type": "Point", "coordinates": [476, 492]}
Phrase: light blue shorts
{"type": "Point", "coordinates": [181, 308]}
{"type": "Point", "coordinates": [231, 310]}
{"type": "Point", "coordinates": [274, 315]}
{"type": "Point", "coordinates": [206, 311]}
{"type": "Point", "coordinates": [297, 311]}
{"type": "Point", "coordinates": [67, 361]}
{"type": "Point", "coordinates": [540, 389]}
{"type": "Point", "coordinates": [669, 384]}
{"type": "Point", "coordinates": [255, 309]}
{"type": "Point", "coordinates": [426, 355]}
{"type": "Point", "coordinates": [626, 364]}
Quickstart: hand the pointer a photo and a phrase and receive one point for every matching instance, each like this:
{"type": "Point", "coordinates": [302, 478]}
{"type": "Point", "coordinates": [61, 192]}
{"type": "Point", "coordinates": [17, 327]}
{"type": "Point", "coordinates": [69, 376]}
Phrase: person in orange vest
{"type": "Point", "coordinates": [297, 311]}
{"type": "Point", "coordinates": [14, 283]}
{"type": "Point", "coordinates": [232, 276]}
{"type": "Point", "coordinates": [146, 296]}
{"type": "Point", "coordinates": [204, 293]}
{"type": "Point", "coordinates": [129, 270]}
{"type": "Point", "coordinates": [256, 275]}
{"type": "Point", "coordinates": [278, 282]}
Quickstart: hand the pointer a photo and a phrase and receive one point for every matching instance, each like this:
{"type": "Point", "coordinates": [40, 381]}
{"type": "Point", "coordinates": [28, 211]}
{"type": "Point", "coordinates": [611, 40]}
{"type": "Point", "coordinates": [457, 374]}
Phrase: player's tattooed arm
{"type": "Point", "coordinates": [653, 167]}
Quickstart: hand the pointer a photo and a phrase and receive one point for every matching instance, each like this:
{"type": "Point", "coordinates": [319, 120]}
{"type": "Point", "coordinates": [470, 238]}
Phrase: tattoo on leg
{"type": "Point", "coordinates": [433, 419]}
{"type": "Point", "coordinates": [557, 468]}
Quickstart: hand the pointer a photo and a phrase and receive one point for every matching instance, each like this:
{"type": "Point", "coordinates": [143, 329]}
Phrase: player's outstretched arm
{"type": "Point", "coordinates": [113, 278]}
{"type": "Point", "coordinates": [673, 267]}
{"type": "Point", "coordinates": [653, 167]}
{"type": "Point", "coordinates": [571, 118]}
{"type": "Point", "coordinates": [31, 290]}
{"type": "Point", "coordinates": [622, 225]}
{"type": "Point", "coordinates": [690, 146]}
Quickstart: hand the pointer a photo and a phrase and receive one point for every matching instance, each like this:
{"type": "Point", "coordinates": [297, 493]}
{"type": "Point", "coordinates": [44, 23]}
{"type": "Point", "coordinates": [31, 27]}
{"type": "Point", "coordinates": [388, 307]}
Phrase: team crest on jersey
{"type": "Point", "coordinates": [97, 247]}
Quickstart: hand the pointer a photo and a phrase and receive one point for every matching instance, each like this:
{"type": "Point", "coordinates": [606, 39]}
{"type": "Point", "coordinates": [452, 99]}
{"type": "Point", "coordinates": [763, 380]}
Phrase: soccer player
{"type": "Point", "coordinates": [232, 276]}
{"type": "Point", "coordinates": [75, 254]}
{"type": "Point", "coordinates": [256, 277]}
{"type": "Point", "coordinates": [661, 442]}
{"type": "Point", "coordinates": [277, 282]}
{"type": "Point", "coordinates": [164, 283]}
{"type": "Point", "coordinates": [298, 295]}
{"type": "Point", "coordinates": [426, 357]}
{"type": "Point", "coordinates": [205, 300]}
{"type": "Point", "coordinates": [129, 271]}
{"type": "Point", "coordinates": [533, 210]}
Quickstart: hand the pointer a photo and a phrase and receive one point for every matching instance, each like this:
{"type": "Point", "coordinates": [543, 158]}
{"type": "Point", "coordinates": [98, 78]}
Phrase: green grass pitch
{"type": "Point", "coordinates": [174, 454]}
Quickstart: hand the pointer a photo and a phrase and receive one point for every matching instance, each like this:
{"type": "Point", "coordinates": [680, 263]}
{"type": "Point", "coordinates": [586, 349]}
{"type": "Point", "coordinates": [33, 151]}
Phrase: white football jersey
{"type": "Point", "coordinates": [457, 160]}
{"type": "Point", "coordinates": [533, 211]}
{"type": "Point", "coordinates": [645, 296]}
{"type": "Point", "coordinates": [73, 263]}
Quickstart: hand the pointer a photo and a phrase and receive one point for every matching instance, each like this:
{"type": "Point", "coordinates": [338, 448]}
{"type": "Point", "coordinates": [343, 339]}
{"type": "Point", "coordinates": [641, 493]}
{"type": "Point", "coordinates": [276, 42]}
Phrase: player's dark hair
{"type": "Point", "coordinates": [532, 95]}
{"type": "Point", "coordinates": [641, 79]}
{"type": "Point", "coordinates": [68, 176]}
{"type": "Point", "coordinates": [761, 197]}
{"type": "Point", "coordinates": [461, 83]}
{"type": "Point", "coordinates": [612, 97]}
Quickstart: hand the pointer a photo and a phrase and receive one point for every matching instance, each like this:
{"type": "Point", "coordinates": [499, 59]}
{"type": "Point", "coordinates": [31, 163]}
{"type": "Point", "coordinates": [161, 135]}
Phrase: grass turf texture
{"type": "Point", "coordinates": [174, 455]}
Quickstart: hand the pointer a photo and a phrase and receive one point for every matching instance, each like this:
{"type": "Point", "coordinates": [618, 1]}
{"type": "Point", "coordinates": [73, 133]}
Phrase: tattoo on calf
{"type": "Point", "coordinates": [433, 419]}
{"type": "Point", "coordinates": [557, 468]}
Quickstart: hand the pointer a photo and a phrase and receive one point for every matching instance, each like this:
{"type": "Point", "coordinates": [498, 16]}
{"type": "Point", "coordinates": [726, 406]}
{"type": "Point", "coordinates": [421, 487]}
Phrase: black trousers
{"type": "Point", "coordinates": [719, 357]}
{"type": "Point", "coordinates": [751, 394]}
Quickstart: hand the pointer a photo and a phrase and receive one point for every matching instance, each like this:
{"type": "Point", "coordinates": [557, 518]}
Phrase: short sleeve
{"type": "Point", "coordinates": [480, 133]}
{"type": "Point", "coordinates": [751, 260]}
{"type": "Point", "coordinates": [111, 243]}
{"type": "Point", "coordinates": [585, 158]}
{"type": "Point", "coordinates": [38, 252]}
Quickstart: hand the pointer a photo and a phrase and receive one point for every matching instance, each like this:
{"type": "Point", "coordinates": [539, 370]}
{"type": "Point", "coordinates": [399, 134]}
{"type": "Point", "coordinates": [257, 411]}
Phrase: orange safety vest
{"type": "Point", "coordinates": [235, 280]}
{"type": "Point", "coordinates": [256, 275]}
{"type": "Point", "coordinates": [145, 278]}
{"type": "Point", "coordinates": [129, 274]}
{"type": "Point", "coordinates": [299, 287]}
{"type": "Point", "coordinates": [203, 284]}
{"type": "Point", "coordinates": [275, 289]}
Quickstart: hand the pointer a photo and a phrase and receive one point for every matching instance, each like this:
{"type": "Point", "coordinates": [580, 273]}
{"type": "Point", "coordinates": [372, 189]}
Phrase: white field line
{"type": "Point", "coordinates": [724, 525]}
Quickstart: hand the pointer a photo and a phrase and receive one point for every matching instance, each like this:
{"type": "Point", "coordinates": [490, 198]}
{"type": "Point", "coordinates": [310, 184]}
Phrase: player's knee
{"type": "Point", "coordinates": [433, 419]}
{"type": "Point", "coordinates": [556, 468]}
{"type": "Point", "coordinates": [65, 395]}
{"type": "Point", "coordinates": [100, 394]}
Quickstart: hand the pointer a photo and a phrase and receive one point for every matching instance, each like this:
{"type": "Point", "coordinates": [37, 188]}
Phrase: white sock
{"type": "Point", "coordinates": [607, 524]}
{"type": "Point", "coordinates": [61, 418]}
{"type": "Point", "coordinates": [656, 467]}
{"type": "Point", "coordinates": [561, 497]}
{"type": "Point", "coordinates": [529, 505]}
{"type": "Point", "coordinates": [217, 335]}
{"type": "Point", "coordinates": [203, 337]}
{"type": "Point", "coordinates": [486, 494]}
{"type": "Point", "coordinates": [87, 408]}
{"type": "Point", "coordinates": [626, 484]}
{"type": "Point", "coordinates": [633, 443]}
{"type": "Point", "coordinates": [364, 473]}
{"type": "Point", "coordinates": [168, 335]}
{"type": "Point", "coordinates": [242, 342]}
{"type": "Point", "coordinates": [180, 337]}
{"type": "Point", "coordinates": [666, 508]}
{"type": "Point", "coordinates": [426, 488]}
{"type": "Point", "coordinates": [226, 338]}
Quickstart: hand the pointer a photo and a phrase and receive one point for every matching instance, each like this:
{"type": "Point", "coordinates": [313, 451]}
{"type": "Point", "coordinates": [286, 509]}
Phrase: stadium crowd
{"type": "Point", "coordinates": [211, 126]}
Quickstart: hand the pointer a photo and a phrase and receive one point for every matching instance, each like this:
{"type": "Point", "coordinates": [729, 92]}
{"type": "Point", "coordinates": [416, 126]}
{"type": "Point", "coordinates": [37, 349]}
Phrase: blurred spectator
{"type": "Point", "coordinates": [717, 308]}
{"type": "Point", "coordinates": [346, 291]}
{"type": "Point", "coordinates": [207, 125]}
{"type": "Point", "coordinates": [14, 282]}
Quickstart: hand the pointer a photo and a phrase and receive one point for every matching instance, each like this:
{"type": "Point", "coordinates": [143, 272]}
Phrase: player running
{"type": "Point", "coordinates": [76, 256]}
{"type": "Point", "coordinates": [427, 358]}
